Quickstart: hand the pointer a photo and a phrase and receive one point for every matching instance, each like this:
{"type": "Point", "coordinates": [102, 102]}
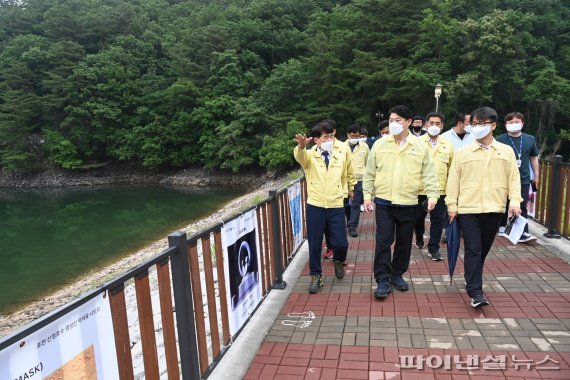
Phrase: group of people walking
{"type": "Point", "coordinates": [413, 167]}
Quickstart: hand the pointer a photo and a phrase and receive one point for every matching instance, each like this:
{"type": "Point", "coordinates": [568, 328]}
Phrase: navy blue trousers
{"type": "Point", "coordinates": [352, 208]}
{"type": "Point", "coordinates": [332, 221]}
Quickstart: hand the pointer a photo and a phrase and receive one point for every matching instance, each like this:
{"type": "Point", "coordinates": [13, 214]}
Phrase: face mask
{"type": "Point", "coordinates": [468, 128]}
{"type": "Point", "coordinates": [434, 131]}
{"type": "Point", "coordinates": [327, 146]}
{"type": "Point", "coordinates": [480, 132]}
{"type": "Point", "coordinates": [353, 141]}
{"type": "Point", "coordinates": [515, 127]}
{"type": "Point", "coordinates": [396, 128]}
{"type": "Point", "coordinates": [417, 129]}
{"type": "Point", "coordinates": [362, 139]}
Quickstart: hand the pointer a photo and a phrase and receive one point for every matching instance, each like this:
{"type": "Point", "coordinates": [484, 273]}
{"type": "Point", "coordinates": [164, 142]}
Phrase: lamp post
{"type": "Point", "coordinates": [437, 95]}
{"type": "Point", "coordinates": [379, 115]}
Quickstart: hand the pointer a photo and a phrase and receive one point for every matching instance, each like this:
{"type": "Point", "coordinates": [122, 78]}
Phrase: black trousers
{"type": "Point", "coordinates": [478, 234]}
{"type": "Point", "coordinates": [438, 220]}
{"type": "Point", "coordinates": [390, 221]}
{"type": "Point", "coordinates": [524, 195]}
{"type": "Point", "coordinates": [332, 221]}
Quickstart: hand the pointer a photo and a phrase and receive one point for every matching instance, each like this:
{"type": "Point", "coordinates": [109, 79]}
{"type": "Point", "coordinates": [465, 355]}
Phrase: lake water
{"type": "Point", "coordinates": [49, 238]}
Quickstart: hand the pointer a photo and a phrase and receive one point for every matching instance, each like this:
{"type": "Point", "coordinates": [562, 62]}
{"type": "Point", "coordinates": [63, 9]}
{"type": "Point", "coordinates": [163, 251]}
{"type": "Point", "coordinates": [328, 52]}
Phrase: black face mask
{"type": "Point", "coordinates": [416, 129]}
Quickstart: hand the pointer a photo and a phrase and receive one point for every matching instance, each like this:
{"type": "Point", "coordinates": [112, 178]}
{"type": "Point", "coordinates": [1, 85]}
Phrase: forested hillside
{"type": "Point", "coordinates": [226, 84]}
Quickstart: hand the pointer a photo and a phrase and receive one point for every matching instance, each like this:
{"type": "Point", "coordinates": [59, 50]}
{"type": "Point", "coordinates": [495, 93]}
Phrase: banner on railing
{"type": "Point", "coordinates": [530, 205]}
{"type": "Point", "coordinates": [79, 345]}
{"type": "Point", "coordinates": [241, 260]}
{"type": "Point", "coordinates": [294, 193]}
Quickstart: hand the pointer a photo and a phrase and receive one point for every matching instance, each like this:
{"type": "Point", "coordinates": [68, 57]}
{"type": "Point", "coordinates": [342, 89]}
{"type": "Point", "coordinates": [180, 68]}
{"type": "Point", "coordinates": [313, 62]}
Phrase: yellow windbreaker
{"type": "Point", "coordinates": [442, 156]}
{"type": "Point", "coordinates": [325, 187]}
{"type": "Point", "coordinates": [398, 173]}
{"type": "Point", "coordinates": [480, 180]}
{"type": "Point", "coordinates": [359, 158]}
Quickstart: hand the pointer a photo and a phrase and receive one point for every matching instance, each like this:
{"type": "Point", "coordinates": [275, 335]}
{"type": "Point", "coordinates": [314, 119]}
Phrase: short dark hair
{"type": "Point", "coordinates": [354, 128]}
{"type": "Point", "coordinates": [383, 124]}
{"type": "Point", "coordinates": [459, 118]}
{"type": "Point", "coordinates": [418, 117]}
{"type": "Point", "coordinates": [436, 114]}
{"type": "Point", "coordinates": [484, 113]}
{"type": "Point", "coordinates": [330, 122]}
{"type": "Point", "coordinates": [402, 111]}
{"type": "Point", "coordinates": [512, 115]}
{"type": "Point", "coordinates": [364, 131]}
{"type": "Point", "coordinates": [322, 127]}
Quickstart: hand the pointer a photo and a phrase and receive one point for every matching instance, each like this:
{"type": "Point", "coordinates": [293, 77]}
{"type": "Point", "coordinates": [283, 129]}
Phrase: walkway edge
{"type": "Point", "coordinates": [242, 352]}
{"type": "Point", "coordinates": [559, 247]}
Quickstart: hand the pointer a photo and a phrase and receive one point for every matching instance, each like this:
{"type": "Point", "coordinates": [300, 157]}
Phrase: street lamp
{"type": "Point", "coordinates": [437, 95]}
{"type": "Point", "coordinates": [379, 115]}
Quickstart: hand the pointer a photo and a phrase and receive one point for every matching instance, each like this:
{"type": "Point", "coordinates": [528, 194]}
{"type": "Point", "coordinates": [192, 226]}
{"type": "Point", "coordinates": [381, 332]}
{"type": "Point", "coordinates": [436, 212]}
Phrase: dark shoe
{"type": "Point", "coordinates": [316, 283]}
{"type": "Point", "coordinates": [399, 283]}
{"type": "Point", "coordinates": [435, 256]}
{"type": "Point", "coordinates": [444, 236]}
{"type": "Point", "coordinates": [526, 237]}
{"type": "Point", "coordinates": [328, 254]}
{"type": "Point", "coordinates": [383, 289]}
{"type": "Point", "coordinates": [352, 232]}
{"type": "Point", "coordinates": [339, 269]}
{"type": "Point", "coordinates": [479, 301]}
{"type": "Point", "coordinates": [420, 245]}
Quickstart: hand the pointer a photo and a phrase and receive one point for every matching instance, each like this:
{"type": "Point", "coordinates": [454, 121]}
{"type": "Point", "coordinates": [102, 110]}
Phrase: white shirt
{"type": "Point", "coordinates": [456, 141]}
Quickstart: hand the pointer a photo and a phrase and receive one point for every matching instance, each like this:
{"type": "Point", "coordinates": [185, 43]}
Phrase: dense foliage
{"type": "Point", "coordinates": [226, 83]}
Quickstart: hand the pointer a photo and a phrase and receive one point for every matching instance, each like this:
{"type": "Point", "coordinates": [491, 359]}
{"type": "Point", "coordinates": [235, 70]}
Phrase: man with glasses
{"type": "Point", "coordinates": [482, 177]}
{"type": "Point", "coordinates": [526, 152]}
{"type": "Point", "coordinates": [441, 151]}
{"type": "Point", "coordinates": [326, 171]}
{"type": "Point", "coordinates": [417, 127]}
{"type": "Point", "coordinates": [398, 166]}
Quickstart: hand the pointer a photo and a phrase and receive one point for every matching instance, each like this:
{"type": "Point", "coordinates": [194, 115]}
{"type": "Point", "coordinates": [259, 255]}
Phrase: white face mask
{"type": "Point", "coordinates": [468, 128]}
{"type": "Point", "coordinates": [396, 128]}
{"type": "Point", "coordinates": [327, 146]}
{"type": "Point", "coordinates": [515, 127]}
{"type": "Point", "coordinates": [479, 132]}
{"type": "Point", "coordinates": [353, 141]}
{"type": "Point", "coordinates": [434, 131]}
{"type": "Point", "coordinates": [362, 139]}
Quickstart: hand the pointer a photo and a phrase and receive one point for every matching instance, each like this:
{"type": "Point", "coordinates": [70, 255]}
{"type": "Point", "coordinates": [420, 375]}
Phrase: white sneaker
{"type": "Point", "coordinates": [502, 234]}
{"type": "Point", "coordinates": [526, 237]}
{"type": "Point", "coordinates": [361, 208]}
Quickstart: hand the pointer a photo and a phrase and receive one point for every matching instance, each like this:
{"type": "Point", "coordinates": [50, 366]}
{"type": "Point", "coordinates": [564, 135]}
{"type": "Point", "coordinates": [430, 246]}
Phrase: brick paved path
{"type": "Point", "coordinates": [430, 331]}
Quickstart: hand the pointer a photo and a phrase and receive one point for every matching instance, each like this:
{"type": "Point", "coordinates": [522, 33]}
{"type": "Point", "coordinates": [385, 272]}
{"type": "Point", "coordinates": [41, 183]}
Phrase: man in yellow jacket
{"type": "Point", "coordinates": [482, 176]}
{"type": "Point", "coordinates": [360, 152]}
{"type": "Point", "coordinates": [341, 148]}
{"type": "Point", "coordinates": [441, 151]}
{"type": "Point", "coordinates": [327, 172]}
{"type": "Point", "coordinates": [398, 166]}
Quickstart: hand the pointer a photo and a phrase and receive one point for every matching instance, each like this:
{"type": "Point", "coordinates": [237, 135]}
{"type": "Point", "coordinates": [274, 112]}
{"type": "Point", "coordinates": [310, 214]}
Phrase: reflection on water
{"type": "Point", "coordinates": [49, 238]}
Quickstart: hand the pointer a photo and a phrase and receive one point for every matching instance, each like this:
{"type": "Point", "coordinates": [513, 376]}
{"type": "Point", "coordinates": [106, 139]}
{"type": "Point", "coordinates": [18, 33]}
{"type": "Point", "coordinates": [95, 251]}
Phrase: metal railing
{"type": "Point", "coordinates": [189, 281]}
{"type": "Point", "coordinates": [553, 197]}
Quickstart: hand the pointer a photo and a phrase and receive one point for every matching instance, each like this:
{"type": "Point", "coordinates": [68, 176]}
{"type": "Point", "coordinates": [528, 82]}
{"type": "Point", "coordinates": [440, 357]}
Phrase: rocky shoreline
{"type": "Point", "coordinates": [127, 175]}
{"type": "Point", "coordinates": [9, 323]}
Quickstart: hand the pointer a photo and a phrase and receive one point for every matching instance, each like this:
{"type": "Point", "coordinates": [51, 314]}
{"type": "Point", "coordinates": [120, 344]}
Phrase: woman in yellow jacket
{"type": "Point", "coordinates": [327, 173]}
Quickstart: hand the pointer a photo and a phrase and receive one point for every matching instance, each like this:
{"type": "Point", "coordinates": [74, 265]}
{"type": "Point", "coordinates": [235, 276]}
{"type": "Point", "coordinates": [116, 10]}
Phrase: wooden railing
{"type": "Point", "coordinates": [553, 197]}
{"type": "Point", "coordinates": [194, 317]}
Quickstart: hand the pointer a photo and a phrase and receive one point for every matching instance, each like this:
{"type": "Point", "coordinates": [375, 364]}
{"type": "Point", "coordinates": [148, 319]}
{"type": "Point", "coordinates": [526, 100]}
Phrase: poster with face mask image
{"type": "Point", "coordinates": [241, 261]}
{"type": "Point", "coordinates": [294, 194]}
